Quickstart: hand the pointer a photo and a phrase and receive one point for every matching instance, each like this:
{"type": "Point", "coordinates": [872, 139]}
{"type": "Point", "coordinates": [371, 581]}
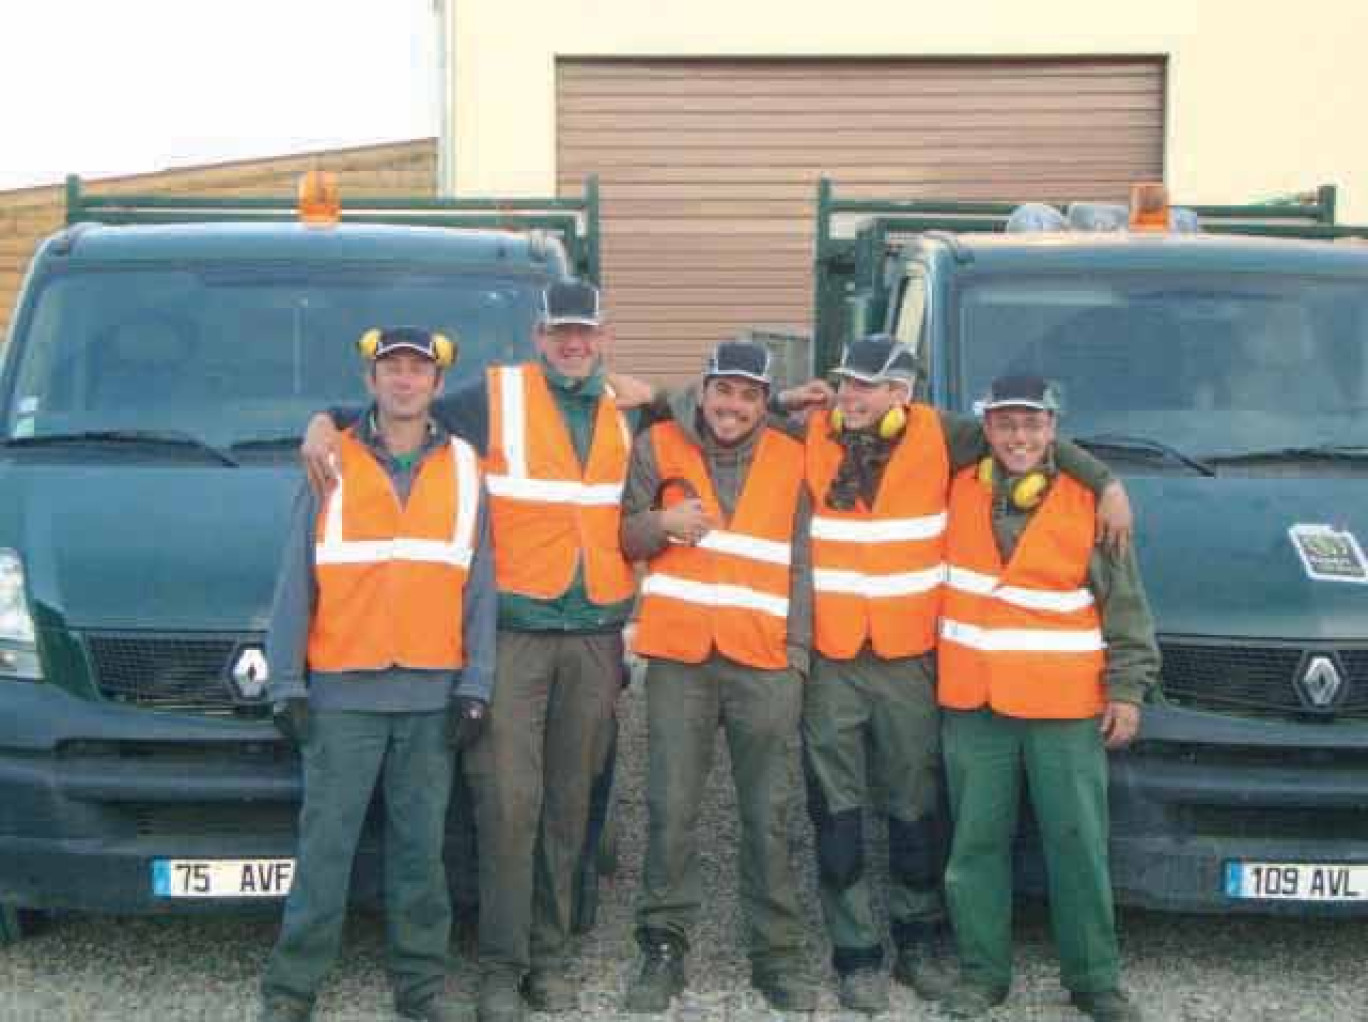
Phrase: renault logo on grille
{"type": "Point", "coordinates": [1319, 680]}
{"type": "Point", "coordinates": [249, 672]}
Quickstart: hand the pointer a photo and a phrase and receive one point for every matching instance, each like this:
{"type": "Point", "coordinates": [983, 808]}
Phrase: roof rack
{"type": "Point", "coordinates": [574, 220]}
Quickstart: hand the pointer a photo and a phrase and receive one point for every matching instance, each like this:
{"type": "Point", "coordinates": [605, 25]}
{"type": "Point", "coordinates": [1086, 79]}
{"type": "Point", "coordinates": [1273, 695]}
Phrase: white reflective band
{"type": "Point", "coordinates": [375, 551]}
{"type": "Point", "coordinates": [856, 583]}
{"type": "Point", "coordinates": [623, 428]}
{"type": "Point", "coordinates": [554, 491]}
{"type": "Point", "coordinates": [710, 594]}
{"type": "Point", "coordinates": [1032, 599]}
{"type": "Point", "coordinates": [852, 530]}
{"type": "Point", "coordinates": [457, 552]}
{"type": "Point", "coordinates": [740, 545]}
{"type": "Point", "coordinates": [1021, 640]}
{"type": "Point", "coordinates": [513, 415]}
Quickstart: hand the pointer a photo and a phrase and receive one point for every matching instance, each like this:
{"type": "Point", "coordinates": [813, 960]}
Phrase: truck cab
{"type": "Point", "coordinates": [152, 396]}
{"type": "Point", "coordinates": [1224, 377]}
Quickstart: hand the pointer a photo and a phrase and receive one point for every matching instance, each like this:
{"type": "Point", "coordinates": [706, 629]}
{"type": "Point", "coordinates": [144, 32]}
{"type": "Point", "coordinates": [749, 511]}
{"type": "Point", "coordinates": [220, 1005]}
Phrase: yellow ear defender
{"type": "Point", "coordinates": [368, 344]}
{"type": "Point", "coordinates": [894, 421]}
{"type": "Point", "coordinates": [1027, 492]}
{"type": "Point", "coordinates": [445, 350]}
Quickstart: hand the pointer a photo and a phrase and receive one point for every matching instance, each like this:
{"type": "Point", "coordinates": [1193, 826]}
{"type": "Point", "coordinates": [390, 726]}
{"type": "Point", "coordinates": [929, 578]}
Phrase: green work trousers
{"type": "Point", "coordinates": [531, 774]}
{"type": "Point", "coordinates": [344, 757]}
{"type": "Point", "coordinates": [758, 711]}
{"type": "Point", "coordinates": [1065, 767]}
{"type": "Point", "coordinates": [868, 722]}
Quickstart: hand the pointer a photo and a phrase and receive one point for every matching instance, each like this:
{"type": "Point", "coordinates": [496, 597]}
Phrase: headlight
{"type": "Point", "coordinates": [18, 649]}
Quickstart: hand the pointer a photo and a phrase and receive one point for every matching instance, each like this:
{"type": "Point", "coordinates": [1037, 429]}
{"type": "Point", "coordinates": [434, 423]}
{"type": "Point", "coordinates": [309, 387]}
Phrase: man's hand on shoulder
{"type": "Point", "coordinates": [630, 392]}
{"type": "Point", "coordinates": [319, 454]}
{"type": "Point", "coordinates": [813, 396]}
{"type": "Point", "coordinates": [1115, 519]}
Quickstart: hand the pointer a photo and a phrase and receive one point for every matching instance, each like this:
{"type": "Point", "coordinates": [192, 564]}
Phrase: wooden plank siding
{"type": "Point", "coordinates": [30, 214]}
{"type": "Point", "coordinates": [709, 167]}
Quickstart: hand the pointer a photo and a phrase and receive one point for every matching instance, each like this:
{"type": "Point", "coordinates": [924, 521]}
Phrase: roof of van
{"type": "Point", "coordinates": [287, 241]}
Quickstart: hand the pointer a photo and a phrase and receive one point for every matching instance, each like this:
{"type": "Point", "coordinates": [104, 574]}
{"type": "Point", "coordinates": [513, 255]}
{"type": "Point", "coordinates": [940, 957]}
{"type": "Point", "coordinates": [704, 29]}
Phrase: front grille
{"type": "Point", "coordinates": [182, 672]}
{"type": "Point", "coordinates": [1259, 681]}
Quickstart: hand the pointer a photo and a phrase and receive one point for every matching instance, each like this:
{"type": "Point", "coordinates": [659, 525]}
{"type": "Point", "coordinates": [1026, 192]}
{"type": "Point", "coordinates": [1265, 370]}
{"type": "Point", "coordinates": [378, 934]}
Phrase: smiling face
{"type": "Point", "coordinates": [864, 404]}
{"type": "Point", "coordinates": [733, 407]}
{"type": "Point", "coordinates": [1019, 437]}
{"type": "Point", "coordinates": [404, 385]}
{"type": "Point", "coordinates": [572, 349]}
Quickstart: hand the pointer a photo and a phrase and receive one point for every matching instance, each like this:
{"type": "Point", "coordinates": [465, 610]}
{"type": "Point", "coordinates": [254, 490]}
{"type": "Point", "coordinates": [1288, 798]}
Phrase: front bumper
{"type": "Point", "coordinates": [91, 793]}
{"type": "Point", "coordinates": [1200, 790]}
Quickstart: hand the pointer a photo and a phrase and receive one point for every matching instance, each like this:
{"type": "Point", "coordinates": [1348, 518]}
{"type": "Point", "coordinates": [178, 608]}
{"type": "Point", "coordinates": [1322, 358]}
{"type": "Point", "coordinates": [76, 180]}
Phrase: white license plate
{"type": "Point", "coordinates": [222, 878]}
{"type": "Point", "coordinates": [1297, 881]}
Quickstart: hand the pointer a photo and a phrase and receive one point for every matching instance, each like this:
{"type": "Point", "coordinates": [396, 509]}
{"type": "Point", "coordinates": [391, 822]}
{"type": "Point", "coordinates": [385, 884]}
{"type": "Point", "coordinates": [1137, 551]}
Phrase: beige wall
{"type": "Point", "coordinates": [1262, 100]}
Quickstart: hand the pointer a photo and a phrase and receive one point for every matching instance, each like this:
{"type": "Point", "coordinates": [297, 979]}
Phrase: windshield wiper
{"type": "Point", "coordinates": [1347, 452]}
{"type": "Point", "coordinates": [266, 443]}
{"type": "Point", "coordinates": [1127, 442]}
{"type": "Point", "coordinates": [144, 437]}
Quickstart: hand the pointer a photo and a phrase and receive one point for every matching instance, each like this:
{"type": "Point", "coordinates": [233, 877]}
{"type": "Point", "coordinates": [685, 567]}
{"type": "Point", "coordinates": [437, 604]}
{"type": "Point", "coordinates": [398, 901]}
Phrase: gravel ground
{"type": "Point", "coordinates": [1188, 968]}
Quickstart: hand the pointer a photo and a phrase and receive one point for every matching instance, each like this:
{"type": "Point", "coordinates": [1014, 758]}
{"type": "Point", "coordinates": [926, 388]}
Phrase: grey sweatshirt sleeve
{"type": "Point", "coordinates": [640, 532]}
{"type": "Point", "coordinates": [296, 592]}
{"type": "Point", "coordinates": [800, 587]}
{"type": "Point", "coordinates": [1133, 657]}
{"type": "Point", "coordinates": [476, 680]}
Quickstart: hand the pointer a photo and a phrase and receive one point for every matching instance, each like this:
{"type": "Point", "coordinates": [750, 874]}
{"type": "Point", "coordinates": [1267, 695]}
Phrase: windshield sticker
{"type": "Point", "coordinates": [22, 427]}
{"type": "Point", "coordinates": [28, 405]}
{"type": "Point", "coordinates": [1329, 554]}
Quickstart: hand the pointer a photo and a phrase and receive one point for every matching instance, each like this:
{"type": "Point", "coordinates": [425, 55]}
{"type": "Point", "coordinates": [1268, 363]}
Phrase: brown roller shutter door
{"type": "Point", "coordinates": [709, 167]}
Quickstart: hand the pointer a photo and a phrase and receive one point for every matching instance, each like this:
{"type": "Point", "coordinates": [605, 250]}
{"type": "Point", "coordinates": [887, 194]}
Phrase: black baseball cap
{"type": "Point", "coordinates": [745, 359]}
{"type": "Point", "coordinates": [1021, 392]}
{"type": "Point", "coordinates": [571, 301]}
{"type": "Point", "coordinates": [877, 358]}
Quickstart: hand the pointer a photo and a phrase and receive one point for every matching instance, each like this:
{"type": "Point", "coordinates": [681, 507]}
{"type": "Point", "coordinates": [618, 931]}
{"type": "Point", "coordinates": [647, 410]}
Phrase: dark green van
{"type": "Point", "coordinates": [1225, 378]}
{"type": "Point", "coordinates": [151, 398]}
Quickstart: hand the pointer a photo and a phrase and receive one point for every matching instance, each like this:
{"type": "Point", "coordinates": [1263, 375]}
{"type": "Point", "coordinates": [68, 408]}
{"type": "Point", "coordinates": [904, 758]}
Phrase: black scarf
{"type": "Point", "coordinates": [863, 457]}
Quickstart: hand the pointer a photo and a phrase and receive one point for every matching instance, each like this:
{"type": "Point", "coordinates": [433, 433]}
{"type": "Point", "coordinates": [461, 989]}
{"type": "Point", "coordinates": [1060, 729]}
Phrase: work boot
{"type": "Point", "coordinates": [660, 975]}
{"type": "Point", "coordinates": [1107, 1006]}
{"type": "Point", "coordinates": [550, 990]}
{"type": "Point", "coordinates": [863, 990]}
{"type": "Point", "coordinates": [971, 1000]}
{"type": "Point", "coordinates": [499, 999]}
{"type": "Point", "coordinates": [431, 1010]}
{"type": "Point", "coordinates": [284, 1009]}
{"type": "Point", "coordinates": [785, 989]}
{"type": "Point", "coordinates": [925, 962]}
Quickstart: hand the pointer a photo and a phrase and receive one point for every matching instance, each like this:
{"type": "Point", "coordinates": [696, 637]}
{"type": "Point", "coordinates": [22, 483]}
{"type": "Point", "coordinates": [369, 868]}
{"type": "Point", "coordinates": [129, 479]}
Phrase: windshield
{"type": "Point", "coordinates": [1209, 364]}
{"type": "Point", "coordinates": [233, 355]}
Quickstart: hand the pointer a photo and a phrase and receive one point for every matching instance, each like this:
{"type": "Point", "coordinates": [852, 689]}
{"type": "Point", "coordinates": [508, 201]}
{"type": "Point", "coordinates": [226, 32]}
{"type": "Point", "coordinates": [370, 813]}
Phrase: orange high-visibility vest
{"type": "Point", "coordinates": [731, 591]}
{"type": "Point", "coordinates": [546, 512]}
{"type": "Point", "coordinates": [876, 572]}
{"type": "Point", "coordinates": [1025, 639]}
{"type": "Point", "coordinates": [391, 577]}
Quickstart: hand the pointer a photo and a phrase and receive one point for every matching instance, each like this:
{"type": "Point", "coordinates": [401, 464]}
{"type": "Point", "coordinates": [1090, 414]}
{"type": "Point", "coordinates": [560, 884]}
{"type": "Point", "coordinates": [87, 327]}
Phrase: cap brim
{"type": "Point", "coordinates": [1039, 406]}
{"type": "Point", "coordinates": [390, 349]}
{"type": "Point", "coordinates": [573, 321]}
{"type": "Point", "coordinates": [855, 374]}
{"type": "Point", "coordinates": [739, 374]}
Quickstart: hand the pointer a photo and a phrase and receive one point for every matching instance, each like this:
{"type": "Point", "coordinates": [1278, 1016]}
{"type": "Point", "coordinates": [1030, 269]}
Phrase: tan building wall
{"type": "Point", "coordinates": [1261, 102]}
{"type": "Point", "coordinates": [28, 215]}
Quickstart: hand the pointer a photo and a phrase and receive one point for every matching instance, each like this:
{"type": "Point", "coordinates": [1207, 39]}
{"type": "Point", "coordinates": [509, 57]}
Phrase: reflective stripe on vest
{"type": "Point", "coordinates": [549, 514]}
{"type": "Point", "coordinates": [730, 592]}
{"type": "Point", "coordinates": [391, 577]}
{"type": "Point", "coordinates": [1024, 638]}
{"type": "Point", "coordinates": [877, 572]}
